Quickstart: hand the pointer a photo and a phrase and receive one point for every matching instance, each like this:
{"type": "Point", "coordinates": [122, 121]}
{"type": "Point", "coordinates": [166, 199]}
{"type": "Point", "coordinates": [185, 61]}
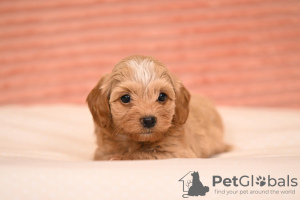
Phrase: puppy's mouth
{"type": "Point", "coordinates": [147, 131]}
{"type": "Point", "coordinates": [148, 135]}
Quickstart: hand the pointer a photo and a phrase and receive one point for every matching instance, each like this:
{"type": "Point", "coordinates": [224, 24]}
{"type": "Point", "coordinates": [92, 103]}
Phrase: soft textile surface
{"type": "Point", "coordinates": [46, 152]}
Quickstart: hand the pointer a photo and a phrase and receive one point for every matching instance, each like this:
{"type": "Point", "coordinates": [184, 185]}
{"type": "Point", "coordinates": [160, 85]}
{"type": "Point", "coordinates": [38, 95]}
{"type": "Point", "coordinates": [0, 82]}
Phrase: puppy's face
{"type": "Point", "coordinates": [141, 100]}
{"type": "Point", "coordinates": [143, 103]}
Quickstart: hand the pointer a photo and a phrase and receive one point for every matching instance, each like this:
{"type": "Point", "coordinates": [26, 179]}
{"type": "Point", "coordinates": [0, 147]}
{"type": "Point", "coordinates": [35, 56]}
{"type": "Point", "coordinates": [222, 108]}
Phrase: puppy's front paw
{"type": "Point", "coordinates": [117, 157]}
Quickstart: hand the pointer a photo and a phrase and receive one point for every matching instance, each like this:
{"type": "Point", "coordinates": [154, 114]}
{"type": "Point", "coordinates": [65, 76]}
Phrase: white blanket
{"type": "Point", "coordinates": [46, 151]}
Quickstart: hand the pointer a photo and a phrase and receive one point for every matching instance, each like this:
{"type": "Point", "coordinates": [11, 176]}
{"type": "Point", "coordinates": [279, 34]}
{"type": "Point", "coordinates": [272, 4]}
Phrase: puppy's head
{"type": "Point", "coordinates": [139, 99]}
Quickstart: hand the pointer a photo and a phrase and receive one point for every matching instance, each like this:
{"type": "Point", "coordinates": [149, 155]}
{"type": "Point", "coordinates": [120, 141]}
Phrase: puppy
{"type": "Point", "coordinates": [141, 111]}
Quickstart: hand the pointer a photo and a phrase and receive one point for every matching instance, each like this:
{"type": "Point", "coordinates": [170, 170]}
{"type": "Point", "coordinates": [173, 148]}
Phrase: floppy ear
{"type": "Point", "coordinates": [98, 104]}
{"type": "Point", "coordinates": [182, 105]}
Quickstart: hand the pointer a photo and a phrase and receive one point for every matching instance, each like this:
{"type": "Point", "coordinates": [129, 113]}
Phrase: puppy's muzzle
{"type": "Point", "coordinates": [148, 122]}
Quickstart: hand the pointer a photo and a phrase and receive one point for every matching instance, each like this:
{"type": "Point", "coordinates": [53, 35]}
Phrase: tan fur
{"type": "Point", "coordinates": [186, 127]}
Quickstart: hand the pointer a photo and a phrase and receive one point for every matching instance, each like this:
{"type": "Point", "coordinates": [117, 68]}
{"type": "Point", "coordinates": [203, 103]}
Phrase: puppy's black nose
{"type": "Point", "coordinates": [148, 122]}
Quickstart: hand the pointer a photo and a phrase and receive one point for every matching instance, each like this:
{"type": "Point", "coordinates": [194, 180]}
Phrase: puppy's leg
{"type": "Point", "coordinates": [141, 156]}
{"type": "Point", "coordinates": [155, 155]}
{"type": "Point", "coordinates": [98, 155]}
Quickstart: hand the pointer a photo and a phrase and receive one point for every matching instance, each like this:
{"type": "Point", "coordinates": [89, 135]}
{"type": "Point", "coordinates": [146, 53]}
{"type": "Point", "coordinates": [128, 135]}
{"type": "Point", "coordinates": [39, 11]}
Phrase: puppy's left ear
{"type": "Point", "coordinates": [98, 104]}
{"type": "Point", "coordinates": [182, 101]}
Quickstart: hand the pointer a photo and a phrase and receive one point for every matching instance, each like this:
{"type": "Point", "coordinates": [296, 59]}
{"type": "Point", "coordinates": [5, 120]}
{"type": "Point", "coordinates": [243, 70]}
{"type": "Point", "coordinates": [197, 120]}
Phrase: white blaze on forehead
{"type": "Point", "coordinates": [143, 70]}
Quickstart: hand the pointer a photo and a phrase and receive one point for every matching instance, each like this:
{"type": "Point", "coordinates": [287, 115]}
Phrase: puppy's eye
{"type": "Point", "coordinates": [162, 97]}
{"type": "Point", "coordinates": [125, 98]}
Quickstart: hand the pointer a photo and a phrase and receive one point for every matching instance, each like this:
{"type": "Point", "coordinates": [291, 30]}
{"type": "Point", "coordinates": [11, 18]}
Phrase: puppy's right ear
{"type": "Point", "coordinates": [98, 101]}
{"type": "Point", "coordinates": [182, 101]}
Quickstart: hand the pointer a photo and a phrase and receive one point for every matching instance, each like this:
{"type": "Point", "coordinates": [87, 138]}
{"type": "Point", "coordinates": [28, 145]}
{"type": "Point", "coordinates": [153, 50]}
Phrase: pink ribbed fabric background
{"type": "Point", "coordinates": [237, 52]}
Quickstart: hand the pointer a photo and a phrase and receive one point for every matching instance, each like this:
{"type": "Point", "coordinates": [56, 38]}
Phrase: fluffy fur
{"type": "Point", "coordinates": [186, 127]}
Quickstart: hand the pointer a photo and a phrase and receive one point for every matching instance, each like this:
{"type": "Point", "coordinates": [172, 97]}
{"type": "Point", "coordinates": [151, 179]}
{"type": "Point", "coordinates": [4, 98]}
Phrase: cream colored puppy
{"type": "Point", "coordinates": [141, 111]}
